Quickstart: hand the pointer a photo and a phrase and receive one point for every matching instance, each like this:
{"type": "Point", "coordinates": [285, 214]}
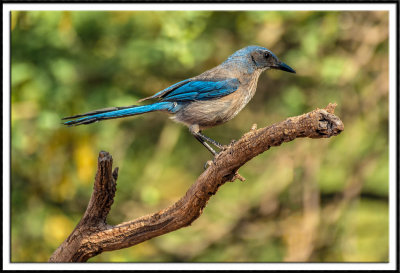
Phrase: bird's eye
{"type": "Point", "coordinates": [266, 55]}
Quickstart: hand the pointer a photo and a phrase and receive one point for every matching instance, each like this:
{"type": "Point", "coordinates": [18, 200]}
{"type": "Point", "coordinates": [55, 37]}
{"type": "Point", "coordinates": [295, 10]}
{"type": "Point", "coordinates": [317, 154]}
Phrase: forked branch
{"type": "Point", "coordinates": [92, 235]}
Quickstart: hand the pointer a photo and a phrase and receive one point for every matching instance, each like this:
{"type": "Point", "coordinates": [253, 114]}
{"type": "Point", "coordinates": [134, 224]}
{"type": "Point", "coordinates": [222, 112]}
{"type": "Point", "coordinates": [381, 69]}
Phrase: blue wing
{"type": "Point", "coordinates": [191, 90]}
{"type": "Point", "coordinates": [162, 93]}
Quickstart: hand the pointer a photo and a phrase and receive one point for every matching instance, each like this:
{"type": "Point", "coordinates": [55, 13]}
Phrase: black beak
{"type": "Point", "coordinates": [285, 67]}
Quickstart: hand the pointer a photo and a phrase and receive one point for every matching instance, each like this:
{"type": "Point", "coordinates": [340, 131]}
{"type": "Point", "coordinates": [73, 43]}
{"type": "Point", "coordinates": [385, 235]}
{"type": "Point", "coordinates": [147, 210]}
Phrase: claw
{"type": "Point", "coordinates": [224, 147]}
{"type": "Point", "coordinates": [208, 164]}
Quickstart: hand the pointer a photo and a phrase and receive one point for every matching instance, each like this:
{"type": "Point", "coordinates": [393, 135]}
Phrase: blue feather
{"type": "Point", "coordinates": [166, 90]}
{"type": "Point", "coordinates": [202, 90]}
{"type": "Point", "coordinates": [134, 110]}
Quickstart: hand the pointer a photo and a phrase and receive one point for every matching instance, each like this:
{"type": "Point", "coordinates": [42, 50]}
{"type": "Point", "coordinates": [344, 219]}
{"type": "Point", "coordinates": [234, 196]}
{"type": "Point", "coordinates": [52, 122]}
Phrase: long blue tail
{"type": "Point", "coordinates": [118, 112]}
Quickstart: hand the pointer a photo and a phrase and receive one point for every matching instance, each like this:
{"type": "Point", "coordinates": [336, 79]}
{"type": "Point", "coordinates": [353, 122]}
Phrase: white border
{"type": "Point", "coordinates": [201, 266]}
{"type": "Point", "coordinates": [393, 184]}
{"type": "Point", "coordinates": [190, 6]}
{"type": "Point", "coordinates": [6, 139]}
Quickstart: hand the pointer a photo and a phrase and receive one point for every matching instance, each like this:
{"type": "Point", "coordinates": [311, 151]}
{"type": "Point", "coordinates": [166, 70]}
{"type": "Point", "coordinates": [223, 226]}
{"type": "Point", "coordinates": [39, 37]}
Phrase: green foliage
{"type": "Point", "coordinates": [309, 200]}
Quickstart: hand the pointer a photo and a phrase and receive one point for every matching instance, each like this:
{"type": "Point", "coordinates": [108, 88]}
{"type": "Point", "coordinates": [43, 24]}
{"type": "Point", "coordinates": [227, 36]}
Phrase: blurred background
{"type": "Point", "coordinates": [321, 200]}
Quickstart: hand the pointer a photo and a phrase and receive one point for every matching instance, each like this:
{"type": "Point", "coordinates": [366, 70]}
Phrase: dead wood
{"type": "Point", "coordinates": [93, 235]}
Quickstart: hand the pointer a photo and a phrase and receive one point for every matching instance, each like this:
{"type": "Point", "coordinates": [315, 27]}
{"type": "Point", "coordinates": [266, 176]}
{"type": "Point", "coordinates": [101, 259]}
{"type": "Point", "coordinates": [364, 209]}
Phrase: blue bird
{"type": "Point", "coordinates": [209, 99]}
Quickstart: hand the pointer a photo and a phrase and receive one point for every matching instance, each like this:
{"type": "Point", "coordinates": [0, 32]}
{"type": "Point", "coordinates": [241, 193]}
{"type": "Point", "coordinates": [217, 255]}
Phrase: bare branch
{"type": "Point", "coordinates": [92, 235]}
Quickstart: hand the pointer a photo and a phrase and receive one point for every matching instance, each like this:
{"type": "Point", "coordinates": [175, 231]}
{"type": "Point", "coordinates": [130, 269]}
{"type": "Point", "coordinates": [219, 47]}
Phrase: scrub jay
{"type": "Point", "coordinates": [209, 99]}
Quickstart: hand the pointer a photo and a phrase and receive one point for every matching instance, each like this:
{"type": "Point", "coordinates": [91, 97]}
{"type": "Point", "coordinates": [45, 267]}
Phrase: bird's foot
{"type": "Point", "coordinates": [225, 147]}
{"type": "Point", "coordinates": [208, 164]}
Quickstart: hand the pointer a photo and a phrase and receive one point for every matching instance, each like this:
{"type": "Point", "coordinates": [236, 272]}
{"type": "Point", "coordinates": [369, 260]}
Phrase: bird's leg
{"type": "Point", "coordinates": [195, 130]}
{"type": "Point", "coordinates": [212, 141]}
{"type": "Point", "coordinates": [202, 141]}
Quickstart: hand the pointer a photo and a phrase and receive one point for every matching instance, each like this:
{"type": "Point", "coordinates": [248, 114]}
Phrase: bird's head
{"type": "Point", "coordinates": [261, 58]}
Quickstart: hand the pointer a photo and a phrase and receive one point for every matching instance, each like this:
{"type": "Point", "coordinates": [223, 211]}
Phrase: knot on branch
{"type": "Point", "coordinates": [328, 124]}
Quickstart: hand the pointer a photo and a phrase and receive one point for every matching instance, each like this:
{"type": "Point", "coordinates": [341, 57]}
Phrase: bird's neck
{"type": "Point", "coordinates": [252, 81]}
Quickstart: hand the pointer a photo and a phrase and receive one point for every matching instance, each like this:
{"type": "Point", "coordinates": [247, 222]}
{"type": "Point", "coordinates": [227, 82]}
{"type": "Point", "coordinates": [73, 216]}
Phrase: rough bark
{"type": "Point", "coordinates": [92, 235]}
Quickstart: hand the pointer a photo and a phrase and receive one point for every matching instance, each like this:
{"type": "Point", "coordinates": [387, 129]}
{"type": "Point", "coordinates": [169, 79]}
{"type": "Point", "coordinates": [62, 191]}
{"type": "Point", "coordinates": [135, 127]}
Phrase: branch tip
{"type": "Point", "coordinates": [331, 107]}
{"type": "Point", "coordinates": [103, 154]}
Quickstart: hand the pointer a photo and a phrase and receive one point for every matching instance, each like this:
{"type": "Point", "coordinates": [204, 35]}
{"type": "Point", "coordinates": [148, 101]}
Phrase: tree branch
{"type": "Point", "coordinates": [92, 235]}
